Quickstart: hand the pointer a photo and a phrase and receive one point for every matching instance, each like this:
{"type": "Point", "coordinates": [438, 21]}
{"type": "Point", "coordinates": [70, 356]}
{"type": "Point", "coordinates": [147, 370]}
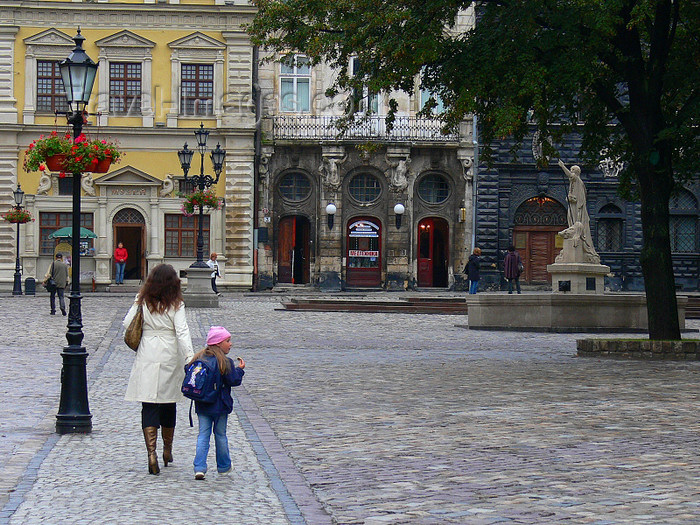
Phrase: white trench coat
{"type": "Point", "coordinates": [165, 347]}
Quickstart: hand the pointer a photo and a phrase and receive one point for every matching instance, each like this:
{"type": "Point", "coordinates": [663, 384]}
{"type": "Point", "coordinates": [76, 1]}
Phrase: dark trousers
{"type": "Point", "coordinates": [213, 284]}
{"type": "Point", "coordinates": [157, 414]}
{"type": "Point", "coordinates": [510, 285]}
{"type": "Point", "coordinates": [61, 300]}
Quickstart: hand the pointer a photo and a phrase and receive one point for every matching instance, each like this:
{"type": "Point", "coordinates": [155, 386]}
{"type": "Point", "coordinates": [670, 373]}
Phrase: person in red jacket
{"type": "Point", "coordinates": [120, 257]}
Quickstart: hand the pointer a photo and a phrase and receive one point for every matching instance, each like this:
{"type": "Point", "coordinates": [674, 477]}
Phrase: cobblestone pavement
{"type": "Point", "coordinates": [368, 418]}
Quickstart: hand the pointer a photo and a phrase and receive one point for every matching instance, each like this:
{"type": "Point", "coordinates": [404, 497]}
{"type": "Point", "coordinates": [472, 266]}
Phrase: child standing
{"type": "Point", "coordinates": [214, 416]}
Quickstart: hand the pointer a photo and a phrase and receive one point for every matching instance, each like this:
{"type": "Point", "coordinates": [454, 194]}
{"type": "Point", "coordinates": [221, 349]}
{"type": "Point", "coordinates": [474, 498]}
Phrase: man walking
{"type": "Point", "coordinates": [513, 267]}
{"type": "Point", "coordinates": [58, 271]}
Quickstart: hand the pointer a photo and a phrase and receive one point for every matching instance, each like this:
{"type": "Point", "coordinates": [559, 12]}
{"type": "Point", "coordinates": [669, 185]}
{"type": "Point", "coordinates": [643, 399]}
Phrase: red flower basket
{"type": "Point", "coordinates": [56, 162]}
{"type": "Point", "coordinates": [101, 166]}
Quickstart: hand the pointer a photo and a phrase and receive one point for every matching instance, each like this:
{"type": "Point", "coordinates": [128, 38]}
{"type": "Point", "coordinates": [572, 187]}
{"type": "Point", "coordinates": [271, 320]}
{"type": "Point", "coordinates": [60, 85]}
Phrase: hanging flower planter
{"type": "Point", "coordinates": [63, 154]}
{"type": "Point", "coordinates": [100, 166]}
{"type": "Point", "coordinates": [56, 162]}
{"type": "Point", "coordinates": [16, 216]}
{"type": "Point", "coordinates": [204, 199]}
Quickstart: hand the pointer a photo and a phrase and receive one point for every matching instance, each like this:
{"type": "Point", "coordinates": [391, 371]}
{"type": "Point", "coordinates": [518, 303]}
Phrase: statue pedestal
{"type": "Point", "coordinates": [578, 277]}
{"type": "Point", "coordinates": [198, 293]}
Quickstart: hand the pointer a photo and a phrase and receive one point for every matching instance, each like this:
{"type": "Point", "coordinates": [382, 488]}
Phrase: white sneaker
{"type": "Point", "coordinates": [225, 472]}
{"type": "Point", "coordinates": [219, 294]}
{"type": "Point", "coordinates": [199, 475]}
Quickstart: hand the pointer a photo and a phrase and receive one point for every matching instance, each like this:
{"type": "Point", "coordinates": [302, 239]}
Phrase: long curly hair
{"type": "Point", "coordinates": [162, 289]}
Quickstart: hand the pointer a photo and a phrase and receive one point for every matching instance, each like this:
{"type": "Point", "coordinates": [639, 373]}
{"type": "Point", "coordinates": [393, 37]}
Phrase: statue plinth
{"type": "Point", "coordinates": [578, 277]}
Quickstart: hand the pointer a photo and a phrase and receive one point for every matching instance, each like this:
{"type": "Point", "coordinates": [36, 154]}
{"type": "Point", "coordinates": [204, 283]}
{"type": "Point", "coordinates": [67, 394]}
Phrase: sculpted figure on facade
{"type": "Point", "coordinates": [330, 169]}
{"type": "Point", "coordinates": [88, 184]}
{"type": "Point", "coordinates": [398, 177]}
{"type": "Point", "coordinates": [44, 184]}
{"type": "Point", "coordinates": [579, 247]}
{"type": "Point", "coordinates": [168, 186]}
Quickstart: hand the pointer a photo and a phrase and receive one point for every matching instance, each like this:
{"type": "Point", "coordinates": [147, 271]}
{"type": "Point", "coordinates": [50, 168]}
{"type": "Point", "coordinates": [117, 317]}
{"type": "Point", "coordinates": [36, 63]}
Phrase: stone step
{"type": "Point", "coordinates": [358, 305]}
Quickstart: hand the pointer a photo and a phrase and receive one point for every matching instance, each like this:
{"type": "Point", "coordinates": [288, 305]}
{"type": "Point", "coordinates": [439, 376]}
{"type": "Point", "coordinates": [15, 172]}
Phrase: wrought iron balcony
{"type": "Point", "coordinates": [315, 127]}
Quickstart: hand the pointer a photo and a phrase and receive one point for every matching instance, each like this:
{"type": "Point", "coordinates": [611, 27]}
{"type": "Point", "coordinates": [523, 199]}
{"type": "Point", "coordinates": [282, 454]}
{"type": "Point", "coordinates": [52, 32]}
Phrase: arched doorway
{"type": "Point", "coordinates": [364, 264]}
{"type": "Point", "coordinates": [433, 250]}
{"type": "Point", "coordinates": [293, 250]}
{"type": "Point", "coordinates": [536, 224]}
{"type": "Point", "coordinates": [129, 228]}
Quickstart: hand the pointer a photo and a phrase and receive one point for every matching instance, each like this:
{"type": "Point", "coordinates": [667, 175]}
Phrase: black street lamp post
{"type": "Point", "coordinates": [17, 288]}
{"type": "Point", "coordinates": [78, 73]}
{"type": "Point", "coordinates": [202, 181]}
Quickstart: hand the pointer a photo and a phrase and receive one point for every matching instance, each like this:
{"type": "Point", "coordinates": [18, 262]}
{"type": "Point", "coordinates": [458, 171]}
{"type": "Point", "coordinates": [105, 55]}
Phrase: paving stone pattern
{"type": "Point", "coordinates": [368, 418]}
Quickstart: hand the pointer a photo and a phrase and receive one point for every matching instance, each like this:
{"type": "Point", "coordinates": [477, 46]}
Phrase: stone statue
{"type": "Point", "coordinates": [579, 247]}
{"type": "Point", "coordinates": [44, 184]}
{"type": "Point", "coordinates": [168, 186]}
{"type": "Point", "coordinates": [330, 169]}
{"type": "Point", "coordinates": [87, 184]}
{"type": "Point", "coordinates": [399, 173]}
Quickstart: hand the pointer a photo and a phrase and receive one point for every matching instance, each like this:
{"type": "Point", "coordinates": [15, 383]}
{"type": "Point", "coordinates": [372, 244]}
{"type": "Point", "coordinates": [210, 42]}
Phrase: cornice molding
{"type": "Point", "coordinates": [134, 16]}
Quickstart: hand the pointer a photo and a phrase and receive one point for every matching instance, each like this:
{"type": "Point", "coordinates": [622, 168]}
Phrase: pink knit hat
{"type": "Point", "coordinates": [217, 334]}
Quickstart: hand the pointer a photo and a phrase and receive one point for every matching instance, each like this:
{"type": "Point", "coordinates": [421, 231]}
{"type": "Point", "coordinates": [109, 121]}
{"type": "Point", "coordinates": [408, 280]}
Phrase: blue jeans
{"type": "Point", "coordinates": [120, 272]}
{"type": "Point", "coordinates": [223, 458]}
{"type": "Point", "coordinates": [473, 287]}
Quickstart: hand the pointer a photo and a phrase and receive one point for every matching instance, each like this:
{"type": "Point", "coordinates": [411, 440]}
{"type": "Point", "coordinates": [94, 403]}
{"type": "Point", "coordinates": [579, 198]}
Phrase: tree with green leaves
{"type": "Point", "coordinates": [623, 73]}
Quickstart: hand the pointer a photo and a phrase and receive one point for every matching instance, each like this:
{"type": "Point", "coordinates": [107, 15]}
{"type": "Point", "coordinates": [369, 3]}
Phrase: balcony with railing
{"type": "Point", "coordinates": [316, 127]}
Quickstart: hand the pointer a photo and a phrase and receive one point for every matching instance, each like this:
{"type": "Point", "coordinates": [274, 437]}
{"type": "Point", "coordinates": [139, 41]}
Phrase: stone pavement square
{"type": "Point", "coordinates": [357, 418]}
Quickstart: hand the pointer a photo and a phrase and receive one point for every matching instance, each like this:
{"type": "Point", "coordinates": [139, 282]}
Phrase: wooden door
{"type": "Point", "coordinates": [285, 249]}
{"type": "Point", "coordinates": [538, 247]}
{"type": "Point", "coordinates": [425, 252]}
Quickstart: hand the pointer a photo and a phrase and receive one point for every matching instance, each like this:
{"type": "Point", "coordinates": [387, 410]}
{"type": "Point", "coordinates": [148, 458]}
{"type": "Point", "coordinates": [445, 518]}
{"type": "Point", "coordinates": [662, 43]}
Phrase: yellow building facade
{"type": "Point", "coordinates": [164, 68]}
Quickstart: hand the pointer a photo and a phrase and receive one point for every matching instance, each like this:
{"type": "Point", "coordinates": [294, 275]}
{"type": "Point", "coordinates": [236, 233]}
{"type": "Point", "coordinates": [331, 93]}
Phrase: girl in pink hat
{"type": "Point", "coordinates": [214, 416]}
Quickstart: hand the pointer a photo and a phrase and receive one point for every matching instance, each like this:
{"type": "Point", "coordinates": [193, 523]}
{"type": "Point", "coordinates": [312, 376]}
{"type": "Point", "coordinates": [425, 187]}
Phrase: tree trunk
{"type": "Point", "coordinates": [655, 258]}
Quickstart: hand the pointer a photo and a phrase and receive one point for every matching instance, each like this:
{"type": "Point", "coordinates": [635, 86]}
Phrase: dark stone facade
{"type": "Point", "coordinates": [508, 183]}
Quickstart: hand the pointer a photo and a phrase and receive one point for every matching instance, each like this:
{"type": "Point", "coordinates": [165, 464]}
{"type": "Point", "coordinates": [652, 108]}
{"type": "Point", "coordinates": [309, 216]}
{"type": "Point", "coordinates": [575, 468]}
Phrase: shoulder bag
{"type": "Point", "coordinates": [133, 333]}
{"type": "Point", "coordinates": [50, 283]}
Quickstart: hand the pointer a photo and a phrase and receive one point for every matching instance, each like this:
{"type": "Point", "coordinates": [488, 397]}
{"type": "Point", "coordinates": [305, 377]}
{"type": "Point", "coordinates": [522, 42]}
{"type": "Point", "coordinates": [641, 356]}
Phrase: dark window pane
{"type": "Point", "coordinates": [365, 188]}
{"type": "Point", "coordinates": [434, 189]}
{"type": "Point", "coordinates": [295, 187]}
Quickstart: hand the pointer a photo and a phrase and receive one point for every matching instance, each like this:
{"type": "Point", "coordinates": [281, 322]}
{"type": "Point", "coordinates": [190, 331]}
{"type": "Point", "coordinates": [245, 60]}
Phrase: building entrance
{"type": "Point", "coordinates": [129, 228]}
{"type": "Point", "coordinates": [293, 250]}
{"type": "Point", "coordinates": [364, 268]}
{"type": "Point", "coordinates": [433, 235]}
{"type": "Point", "coordinates": [537, 222]}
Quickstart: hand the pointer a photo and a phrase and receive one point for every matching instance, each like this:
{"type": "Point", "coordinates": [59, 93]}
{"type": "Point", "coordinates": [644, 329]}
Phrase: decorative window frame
{"type": "Point", "coordinates": [603, 216]}
{"type": "Point", "coordinates": [50, 44]}
{"type": "Point", "coordinates": [196, 48]}
{"type": "Point", "coordinates": [295, 76]}
{"type": "Point", "coordinates": [125, 46]}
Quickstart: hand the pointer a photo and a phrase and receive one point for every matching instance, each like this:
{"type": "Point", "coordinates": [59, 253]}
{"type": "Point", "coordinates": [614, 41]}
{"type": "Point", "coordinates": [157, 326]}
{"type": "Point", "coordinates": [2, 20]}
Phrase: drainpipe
{"type": "Point", "coordinates": [475, 141]}
{"type": "Point", "coordinates": [257, 141]}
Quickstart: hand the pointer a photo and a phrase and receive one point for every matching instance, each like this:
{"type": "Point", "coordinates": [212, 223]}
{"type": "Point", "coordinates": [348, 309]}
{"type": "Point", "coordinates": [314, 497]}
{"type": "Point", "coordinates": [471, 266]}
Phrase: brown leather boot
{"type": "Point", "coordinates": [151, 436]}
{"type": "Point", "coordinates": [167, 433]}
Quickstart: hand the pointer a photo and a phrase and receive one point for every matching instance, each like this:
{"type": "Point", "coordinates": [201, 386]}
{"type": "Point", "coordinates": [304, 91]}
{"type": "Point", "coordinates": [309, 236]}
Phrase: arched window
{"type": "Point", "coordinates": [683, 222]}
{"type": "Point", "coordinates": [295, 187]}
{"type": "Point", "coordinates": [365, 188]}
{"type": "Point", "coordinates": [434, 189]}
{"type": "Point", "coordinates": [610, 229]}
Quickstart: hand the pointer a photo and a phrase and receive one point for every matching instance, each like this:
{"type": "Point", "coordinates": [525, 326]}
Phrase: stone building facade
{"type": "Point", "coordinates": [164, 68]}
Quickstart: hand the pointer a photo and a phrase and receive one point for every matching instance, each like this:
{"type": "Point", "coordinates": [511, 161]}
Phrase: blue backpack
{"type": "Point", "coordinates": [202, 382]}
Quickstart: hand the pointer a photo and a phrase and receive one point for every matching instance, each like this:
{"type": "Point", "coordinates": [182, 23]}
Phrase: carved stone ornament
{"type": "Point", "coordinates": [44, 184]}
{"type": "Point", "coordinates": [330, 171]}
{"type": "Point", "coordinates": [537, 149]}
{"type": "Point", "coordinates": [398, 172]}
{"type": "Point", "coordinates": [467, 171]}
{"type": "Point", "coordinates": [609, 166]}
{"type": "Point", "coordinates": [168, 186]}
{"type": "Point", "coordinates": [88, 184]}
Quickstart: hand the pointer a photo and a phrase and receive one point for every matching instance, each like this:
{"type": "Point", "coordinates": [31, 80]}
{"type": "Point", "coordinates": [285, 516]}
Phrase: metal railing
{"type": "Point", "coordinates": [315, 127]}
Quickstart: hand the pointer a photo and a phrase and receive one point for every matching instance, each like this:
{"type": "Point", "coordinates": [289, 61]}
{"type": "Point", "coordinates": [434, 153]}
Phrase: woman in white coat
{"type": "Point", "coordinates": [158, 370]}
